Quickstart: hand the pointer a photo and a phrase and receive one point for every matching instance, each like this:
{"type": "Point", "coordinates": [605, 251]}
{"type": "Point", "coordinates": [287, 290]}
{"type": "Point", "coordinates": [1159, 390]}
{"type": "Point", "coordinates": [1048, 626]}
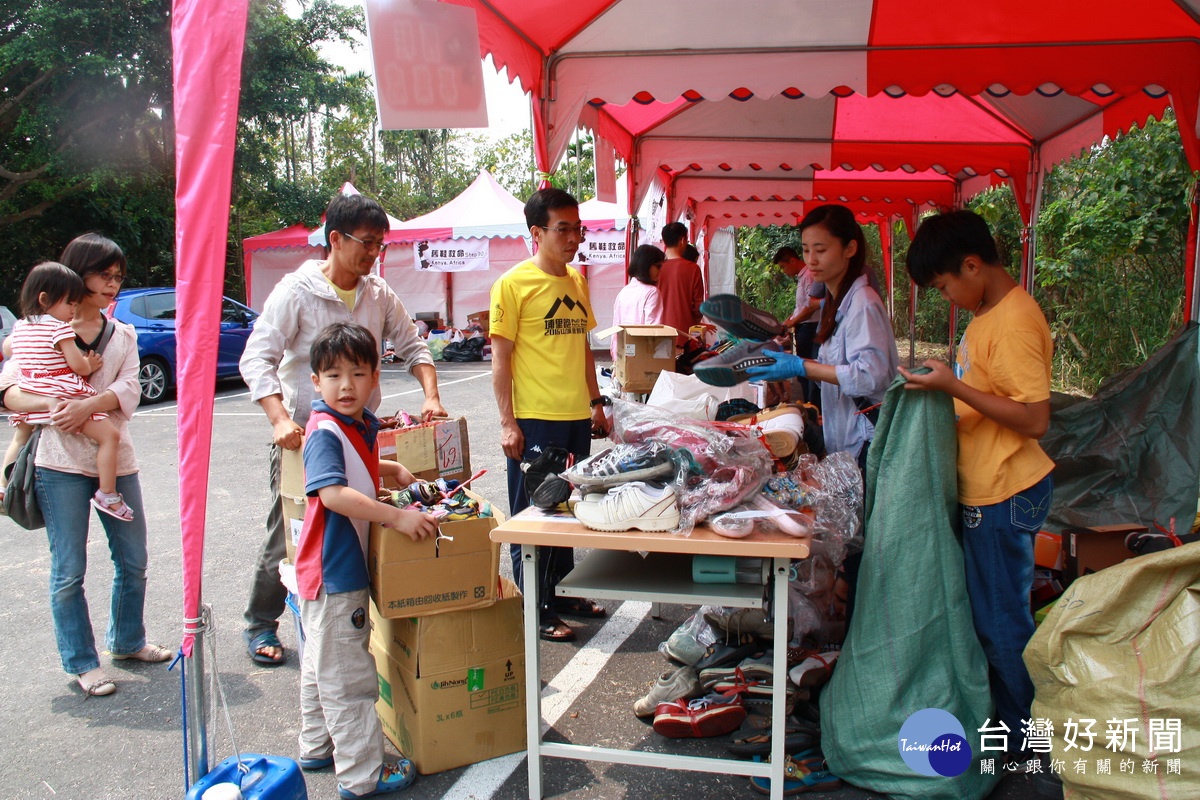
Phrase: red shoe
{"type": "Point", "coordinates": [711, 715]}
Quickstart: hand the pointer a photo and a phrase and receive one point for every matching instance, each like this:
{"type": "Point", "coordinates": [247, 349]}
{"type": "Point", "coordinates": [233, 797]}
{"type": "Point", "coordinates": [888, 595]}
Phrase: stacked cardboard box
{"type": "Point", "coordinates": [452, 685]}
{"type": "Point", "coordinates": [643, 351]}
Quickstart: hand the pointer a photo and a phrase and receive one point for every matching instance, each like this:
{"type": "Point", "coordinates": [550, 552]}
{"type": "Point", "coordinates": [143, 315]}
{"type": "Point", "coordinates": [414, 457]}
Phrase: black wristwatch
{"type": "Point", "coordinates": [602, 400]}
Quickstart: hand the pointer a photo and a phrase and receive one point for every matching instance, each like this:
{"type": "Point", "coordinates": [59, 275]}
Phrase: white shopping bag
{"type": "Point", "coordinates": [691, 397]}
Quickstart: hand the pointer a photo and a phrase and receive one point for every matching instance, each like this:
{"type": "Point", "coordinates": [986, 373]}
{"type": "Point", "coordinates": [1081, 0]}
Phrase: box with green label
{"type": "Point", "coordinates": [452, 685]}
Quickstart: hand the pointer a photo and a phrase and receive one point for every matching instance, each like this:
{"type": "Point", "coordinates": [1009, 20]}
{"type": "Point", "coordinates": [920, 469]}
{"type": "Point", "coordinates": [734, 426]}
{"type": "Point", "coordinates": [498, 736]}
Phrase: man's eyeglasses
{"type": "Point", "coordinates": [380, 246]}
{"type": "Point", "coordinates": [567, 230]}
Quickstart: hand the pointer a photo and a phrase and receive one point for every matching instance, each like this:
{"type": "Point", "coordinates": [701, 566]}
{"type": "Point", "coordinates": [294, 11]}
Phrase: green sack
{"type": "Point", "coordinates": [911, 644]}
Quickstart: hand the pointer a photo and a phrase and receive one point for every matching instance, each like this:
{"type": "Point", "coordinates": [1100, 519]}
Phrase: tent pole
{"type": "Point", "coordinates": [1191, 260]}
{"type": "Point", "coordinates": [1029, 254]}
{"type": "Point", "coordinates": [912, 325]}
{"type": "Point", "coordinates": [450, 299]}
{"type": "Point", "coordinates": [197, 701]}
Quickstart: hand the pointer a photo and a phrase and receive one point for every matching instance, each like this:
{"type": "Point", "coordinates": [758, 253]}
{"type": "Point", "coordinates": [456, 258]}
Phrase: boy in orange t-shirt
{"type": "Point", "coordinates": [1001, 390]}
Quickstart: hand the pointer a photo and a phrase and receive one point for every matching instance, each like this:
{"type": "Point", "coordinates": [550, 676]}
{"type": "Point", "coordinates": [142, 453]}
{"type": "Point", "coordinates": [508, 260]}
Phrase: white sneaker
{"type": "Point", "coordinates": [631, 505]}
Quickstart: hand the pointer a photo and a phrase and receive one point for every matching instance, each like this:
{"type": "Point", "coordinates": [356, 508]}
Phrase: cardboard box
{"type": "Point", "coordinates": [292, 499]}
{"type": "Point", "coordinates": [452, 686]}
{"type": "Point", "coordinates": [480, 318]}
{"type": "Point", "coordinates": [1088, 550]}
{"type": "Point", "coordinates": [1048, 550]}
{"type": "Point", "coordinates": [643, 351]}
{"type": "Point", "coordinates": [438, 449]}
{"type": "Point", "coordinates": [416, 579]}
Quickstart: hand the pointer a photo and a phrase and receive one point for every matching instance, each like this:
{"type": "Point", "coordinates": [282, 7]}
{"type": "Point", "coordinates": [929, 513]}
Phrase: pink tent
{"type": "Point", "coordinates": [269, 256]}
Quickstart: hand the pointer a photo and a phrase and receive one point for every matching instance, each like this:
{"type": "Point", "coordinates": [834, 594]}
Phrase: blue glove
{"type": "Point", "coordinates": [786, 366]}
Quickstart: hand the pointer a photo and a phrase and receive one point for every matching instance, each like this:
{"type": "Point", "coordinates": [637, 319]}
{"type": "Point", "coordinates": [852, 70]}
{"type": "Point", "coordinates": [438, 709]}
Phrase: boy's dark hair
{"type": "Point", "coordinates": [839, 221]}
{"type": "Point", "coordinates": [673, 233]}
{"type": "Point", "coordinates": [944, 240]}
{"type": "Point", "coordinates": [346, 213]}
{"type": "Point", "coordinates": [644, 258]}
{"type": "Point", "coordinates": [785, 254]}
{"type": "Point", "coordinates": [92, 253]}
{"type": "Point", "coordinates": [343, 340]}
{"type": "Point", "coordinates": [691, 253]}
{"type": "Point", "coordinates": [58, 282]}
{"type": "Point", "coordinates": [542, 202]}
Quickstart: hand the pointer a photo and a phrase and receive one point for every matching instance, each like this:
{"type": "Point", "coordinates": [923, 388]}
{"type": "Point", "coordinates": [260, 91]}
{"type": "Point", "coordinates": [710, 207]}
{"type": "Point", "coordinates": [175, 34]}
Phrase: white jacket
{"type": "Point", "coordinates": [276, 360]}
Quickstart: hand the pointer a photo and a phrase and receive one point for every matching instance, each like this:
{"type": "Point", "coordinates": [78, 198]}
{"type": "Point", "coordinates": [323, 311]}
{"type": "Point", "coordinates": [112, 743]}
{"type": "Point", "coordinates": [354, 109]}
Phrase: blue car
{"type": "Point", "coordinates": [152, 313]}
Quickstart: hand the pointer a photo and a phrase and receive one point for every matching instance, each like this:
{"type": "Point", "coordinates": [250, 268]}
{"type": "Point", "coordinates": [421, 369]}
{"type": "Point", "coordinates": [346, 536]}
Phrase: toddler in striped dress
{"type": "Point", "coordinates": [52, 364]}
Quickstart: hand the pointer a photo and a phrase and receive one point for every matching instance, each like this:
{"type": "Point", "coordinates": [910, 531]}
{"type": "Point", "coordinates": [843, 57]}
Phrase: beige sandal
{"type": "Point", "coordinates": [100, 686]}
{"type": "Point", "coordinates": [150, 654]}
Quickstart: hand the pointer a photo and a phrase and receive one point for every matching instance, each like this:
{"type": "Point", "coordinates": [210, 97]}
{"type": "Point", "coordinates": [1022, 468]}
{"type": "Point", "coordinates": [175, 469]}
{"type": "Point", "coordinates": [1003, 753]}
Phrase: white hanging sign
{"type": "Point", "coordinates": [452, 255]}
{"type": "Point", "coordinates": [601, 248]}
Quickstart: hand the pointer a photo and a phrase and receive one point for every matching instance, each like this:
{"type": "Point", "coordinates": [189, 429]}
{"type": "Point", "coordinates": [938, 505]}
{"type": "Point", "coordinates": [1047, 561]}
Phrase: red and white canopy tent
{"type": "Point", "coordinates": [988, 90]}
{"type": "Point", "coordinates": [1058, 76]}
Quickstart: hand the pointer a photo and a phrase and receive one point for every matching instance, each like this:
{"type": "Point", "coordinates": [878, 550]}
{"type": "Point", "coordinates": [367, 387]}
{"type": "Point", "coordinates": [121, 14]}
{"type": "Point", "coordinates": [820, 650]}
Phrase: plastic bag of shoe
{"type": "Point", "coordinates": [721, 465]}
{"type": "Point", "coordinates": [551, 461]}
{"type": "Point", "coordinates": [691, 639]}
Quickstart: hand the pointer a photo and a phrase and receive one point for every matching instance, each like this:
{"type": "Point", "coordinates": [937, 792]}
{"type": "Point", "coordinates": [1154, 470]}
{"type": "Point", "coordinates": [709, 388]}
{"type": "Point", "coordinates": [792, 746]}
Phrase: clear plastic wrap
{"type": "Point", "coordinates": [718, 465]}
{"type": "Point", "coordinates": [689, 641]}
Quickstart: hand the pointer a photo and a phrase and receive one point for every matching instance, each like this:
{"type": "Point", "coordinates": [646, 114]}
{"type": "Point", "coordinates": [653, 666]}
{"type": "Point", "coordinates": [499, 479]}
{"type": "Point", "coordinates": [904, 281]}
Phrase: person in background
{"type": "Point", "coordinates": [341, 288]}
{"type": "Point", "coordinates": [803, 319]}
{"type": "Point", "coordinates": [638, 302]}
{"type": "Point", "coordinates": [680, 283]}
{"type": "Point", "coordinates": [67, 476]}
{"type": "Point", "coordinates": [338, 686]}
{"type": "Point", "coordinates": [1001, 389]}
{"type": "Point", "coordinates": [544, 379]}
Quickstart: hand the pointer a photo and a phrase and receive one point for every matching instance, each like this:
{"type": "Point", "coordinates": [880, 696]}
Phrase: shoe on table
{"type": "Point", "coordinates": [729, 368]}
{"type": "Point", "coordinates": [741, 319]}
{"type": "Point", "coordinates": [392, 778]}
{"type": "Point", "coordinates": [680, 684]}
{"type": "Point", "coordinates": [618, 465]}
{"type": "Point", "coordinates": [782, 427]}
{"type": "Point", "coordinates": [629, 506]}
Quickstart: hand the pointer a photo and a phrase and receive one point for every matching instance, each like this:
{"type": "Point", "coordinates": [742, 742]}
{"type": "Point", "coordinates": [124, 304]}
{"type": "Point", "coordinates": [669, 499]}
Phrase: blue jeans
{"type": "Point", "coordinates": [63, 497]}
{"type": "Point", "coordinates": [574, 436]}
{"type": "Point", "coordinates": [998, 547]}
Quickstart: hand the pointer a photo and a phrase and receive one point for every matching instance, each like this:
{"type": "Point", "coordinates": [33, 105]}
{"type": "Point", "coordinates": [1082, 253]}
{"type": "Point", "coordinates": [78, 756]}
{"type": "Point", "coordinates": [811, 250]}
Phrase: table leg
{"type": "Point", "coordinates": [779, 608]}
{"type": "Point", "coordinates": [533, 671]}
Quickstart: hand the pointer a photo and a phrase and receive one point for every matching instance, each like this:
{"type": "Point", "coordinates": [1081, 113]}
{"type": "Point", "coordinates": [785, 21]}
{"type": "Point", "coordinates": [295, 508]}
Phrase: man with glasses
{"type": "Point", "coordinates": [275, 366]}
{"type": "Point", "coordinates": [544, 378]}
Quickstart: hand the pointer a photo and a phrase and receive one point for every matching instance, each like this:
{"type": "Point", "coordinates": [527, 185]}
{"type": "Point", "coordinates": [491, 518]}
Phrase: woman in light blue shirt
{"type": "Point", "coordinates": [857, 359]}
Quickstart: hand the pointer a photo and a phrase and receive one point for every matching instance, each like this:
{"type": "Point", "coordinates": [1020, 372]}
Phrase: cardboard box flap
{"type": "Point", "coordinates": [638, 330]}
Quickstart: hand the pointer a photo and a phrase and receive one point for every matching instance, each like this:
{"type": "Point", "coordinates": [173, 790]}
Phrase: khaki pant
{"type": "Point", "coordinates": [338, 689]}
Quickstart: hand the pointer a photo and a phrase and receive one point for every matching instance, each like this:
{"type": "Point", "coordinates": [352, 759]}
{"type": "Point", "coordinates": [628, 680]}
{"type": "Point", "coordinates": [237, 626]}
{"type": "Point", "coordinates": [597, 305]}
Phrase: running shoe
{"type": "Point", "coordinates": [729, 368]}
{"type": "Point", "coordinates": [740, 318]}
{"type": "Point", "coordinates": [629, 506]}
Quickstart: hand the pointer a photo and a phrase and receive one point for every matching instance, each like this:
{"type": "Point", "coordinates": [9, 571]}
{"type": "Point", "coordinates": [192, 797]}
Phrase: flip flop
{"type": "Point", "coordinates": [759, 744]}
{"type": "Point", "coordinates": [798, 778]}
{"type": "Point", "coordinates": [101, 686]}
{"type": "Point", "coordinates": [578, 607]}
{"type": "Point", "coordinates": [266, 639]}
{"type": "Point", "coordinates": [553, 629]}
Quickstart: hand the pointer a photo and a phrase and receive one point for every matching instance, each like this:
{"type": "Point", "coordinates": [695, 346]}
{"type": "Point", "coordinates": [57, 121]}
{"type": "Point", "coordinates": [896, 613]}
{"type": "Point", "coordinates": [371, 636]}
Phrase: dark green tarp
{"type": "Point", "coordinates": [1132, 452]}
{"type": "Point", "coordinates": [911, 643]}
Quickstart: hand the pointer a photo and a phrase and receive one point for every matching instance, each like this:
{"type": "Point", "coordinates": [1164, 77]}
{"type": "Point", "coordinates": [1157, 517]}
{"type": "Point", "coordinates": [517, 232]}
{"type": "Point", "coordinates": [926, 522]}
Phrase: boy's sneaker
{"type": "Point", "coordinates": [678, 685]}
{"type": "Point", "coordinates": [711, 715]}
{"type": "Point", "coordinates": [629, 506]}
{"type": "Point", "coordinates": [741, 319]}
{"type": "Point", "coordinates": [392, 778]}
{"type": "Point", "coordinates": [621, 464]}
{"type": "Point", "coordinates": [729, 368]}
{"type": "Point", "coordinates": [314, 764]}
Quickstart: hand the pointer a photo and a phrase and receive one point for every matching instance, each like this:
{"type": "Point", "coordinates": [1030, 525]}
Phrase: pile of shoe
{"type": "Point", "coordinates": [441, 498]}
{"type": "Point", "coordinates": [624, 488]}
{"type": "Point", "coordinates": [756, 329]}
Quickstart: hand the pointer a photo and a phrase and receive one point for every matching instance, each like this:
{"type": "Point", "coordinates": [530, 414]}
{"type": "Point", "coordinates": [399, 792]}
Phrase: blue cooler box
{"type": "Point", "coordinates": [269, 778]}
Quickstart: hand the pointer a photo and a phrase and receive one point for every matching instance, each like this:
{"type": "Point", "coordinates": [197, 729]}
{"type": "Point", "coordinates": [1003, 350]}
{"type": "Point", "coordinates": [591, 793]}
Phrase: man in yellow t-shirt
{"type": "Point", "coordinates": [1001, 391]}
{"type": "Point", "coordinates": [544, 377]}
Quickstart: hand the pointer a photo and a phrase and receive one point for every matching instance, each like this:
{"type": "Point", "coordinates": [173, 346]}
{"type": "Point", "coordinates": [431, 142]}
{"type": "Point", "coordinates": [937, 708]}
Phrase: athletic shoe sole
{"type": "Point", "coordinates": [739, 318]}
{"type": "Point", "coordinates": [655, 524]}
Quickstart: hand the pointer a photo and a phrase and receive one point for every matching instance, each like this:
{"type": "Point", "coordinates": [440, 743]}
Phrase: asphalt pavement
{"type": "Point", "coordinates": [55, 743]}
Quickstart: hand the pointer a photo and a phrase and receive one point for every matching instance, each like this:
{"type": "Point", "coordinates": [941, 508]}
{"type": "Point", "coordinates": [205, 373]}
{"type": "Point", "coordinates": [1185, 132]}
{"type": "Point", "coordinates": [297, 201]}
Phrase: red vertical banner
{"type": "Point", "coordinates": [207, 40]}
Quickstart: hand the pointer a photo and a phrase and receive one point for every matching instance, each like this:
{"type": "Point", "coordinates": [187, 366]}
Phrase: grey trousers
{"type": "Point", "coordinates": [267, 594]}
